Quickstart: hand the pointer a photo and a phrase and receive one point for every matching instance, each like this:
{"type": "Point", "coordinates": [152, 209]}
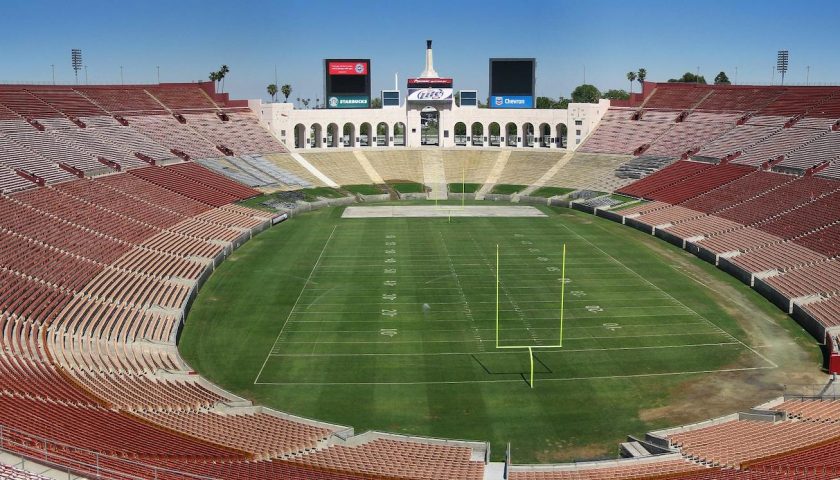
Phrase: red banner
{"type": "Point", "coordinates": [347, 68]}
{"type": "Point", "coordinates": [429, 82]}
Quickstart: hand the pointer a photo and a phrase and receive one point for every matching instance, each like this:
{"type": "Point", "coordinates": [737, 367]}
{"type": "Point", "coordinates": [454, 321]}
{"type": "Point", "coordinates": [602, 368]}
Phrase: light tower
{"type": "Point", "coordinates": [782, 63]}
{"type": "Point", "coordinates": [76, 61]}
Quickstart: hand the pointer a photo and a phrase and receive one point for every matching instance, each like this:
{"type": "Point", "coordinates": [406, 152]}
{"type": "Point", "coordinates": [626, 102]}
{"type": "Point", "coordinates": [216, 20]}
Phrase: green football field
{"type": "Point", "coordinates": [391, 324]}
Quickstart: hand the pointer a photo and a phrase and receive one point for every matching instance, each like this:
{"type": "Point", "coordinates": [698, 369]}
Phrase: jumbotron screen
{"type": "Point", "coordinates": [347, 83]}
{"type": "Point", "coordinates": [512, 82]}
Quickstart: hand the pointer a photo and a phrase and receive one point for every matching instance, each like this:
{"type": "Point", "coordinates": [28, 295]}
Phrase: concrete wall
{"type": "Point", "coordinates": [294, 127]}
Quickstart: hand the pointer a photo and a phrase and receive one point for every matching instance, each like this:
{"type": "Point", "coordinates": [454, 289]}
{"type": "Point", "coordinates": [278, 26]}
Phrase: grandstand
{"type": "Point", "coordinates": [119, 201]}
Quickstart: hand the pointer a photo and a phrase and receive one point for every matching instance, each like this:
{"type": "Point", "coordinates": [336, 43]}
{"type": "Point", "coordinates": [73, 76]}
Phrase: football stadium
{"type": "Point", "coordinates": [402, 279]}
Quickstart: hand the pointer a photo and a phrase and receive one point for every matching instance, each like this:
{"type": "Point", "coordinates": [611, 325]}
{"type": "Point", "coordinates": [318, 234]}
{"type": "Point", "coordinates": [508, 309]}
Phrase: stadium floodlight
{"type": "Point", "coordinates": [782, 63]}
{"type": "Point", "coordinates": [76, 61]}
{"type": "Point", "coordinates": [531, 348]}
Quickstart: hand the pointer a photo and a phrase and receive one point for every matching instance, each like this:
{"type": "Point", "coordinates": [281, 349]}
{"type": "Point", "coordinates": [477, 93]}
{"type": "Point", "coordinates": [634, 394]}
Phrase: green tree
{"type": "Point", "coordinates": [616, 95]}
{"type": "Point", "coordinates": [214, 77]}
{"type": "Point", "coordinates": [286, 90]}
{"type": "Point", "coordinates": [689, 77]}
{"type": "Point", "coordinates": [632, 77]}
{"type": "Point", "coordinates": [641, 75]}
{"type": "Point", "coordinates": [545, 102]}
{"type": "Point", "coordinates": [586, 93]}
{"type": "Point", "coordinates": [376, 103]}
{"type": "Point", "coordinates": [223, 71]}
{"type": "Point", "coordinates": [722, 79]}
{"type": "Point", "coordinates": [272, 90]}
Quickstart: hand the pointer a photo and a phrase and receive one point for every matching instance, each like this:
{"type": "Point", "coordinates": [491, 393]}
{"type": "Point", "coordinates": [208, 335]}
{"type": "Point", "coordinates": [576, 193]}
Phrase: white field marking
{"type": "Point", "coordinates": [515, 309]}
{"type": "Point", "coordinates": [675, 299]}
{"type": "Point", "coordinates": [579, 300]}
{"type": "Point", "coordinates": [588, 337]}
{"type": "Point", "coordinates": [441, 330]}
{"type": "Point", "coordinates": [519, 380]}
{"type": "Point", "coordinates": [291, 312]}
{"type": "Point", "coordinates": [495, 352]}
{"type": "Point", "coordinates": [589, 317]}
{"type": "Point", "coordinates": [466, 306]}
{"type": "Point", "coordinates": [476, 287]}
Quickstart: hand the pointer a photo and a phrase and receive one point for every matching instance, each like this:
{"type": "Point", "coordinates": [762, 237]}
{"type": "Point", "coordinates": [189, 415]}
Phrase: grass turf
{"type": "Point", "coordinates": [363, 189]}
{"type": "Point", "coordinates": [464, 187]}
{"type": "Point", "coordinates": [551, 191]}
{"type": "Point", "coordinates": [407, 187]}
{"type": "Point", "coordinates": [389, 324]}
{"type": "Point", "coordinates": [505, 189]}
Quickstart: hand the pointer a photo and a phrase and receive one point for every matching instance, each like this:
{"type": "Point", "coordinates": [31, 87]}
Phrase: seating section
{"type": "Point", "coordinates": [342, 167]}
{"type": "Point", "coordinates": [669, 175]}
{"type": "Point", "coordinates": [399, 459]}
{"type": "Point", "coordinates": [625, 469]}
{"type": "Point", "coordinates": [623, 137]}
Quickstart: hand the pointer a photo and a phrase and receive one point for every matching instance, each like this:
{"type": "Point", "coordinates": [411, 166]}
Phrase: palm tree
{"type": "Point", "coordinates": [286, 90]}
{"type": "Point", "coordinates": [222, 73]}
{"type": "Point", "coordinates": [272, 90]}
{"type": "Point", "coordinates": [642, 75]}
{"type": "Point", "coordinates": [214, 77]}
{"type": "Point", "coordinates": [632, 77]}
{"type": "Point", "coordinates": [298, 101]}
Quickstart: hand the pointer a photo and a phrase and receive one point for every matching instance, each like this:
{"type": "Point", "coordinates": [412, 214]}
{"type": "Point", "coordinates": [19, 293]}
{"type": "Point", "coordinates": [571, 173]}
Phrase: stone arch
{"type": "Point", "coordinates": [477, 132]}
{"type": "Point", "coordinates": [382, 135]}
{"type": "Point", "coordinates": [510, 134]}
{"type": "Point", "coordinates": [316, 135]}
{"type": "Point", "coordinates": [348, 135]}
{"type": "Point", "coordinates": [366, 135]}
{"type": "Point", "coordinates": [332, 135]}
{"type": "Point", "coordinates": [544, 133]}
{"type": "Point", "coordinates": [399, 134]}
{"type": "Point", "coordinates": [527, 134]}
{"type": "Point", "coordinates": [460, 133]}
{"type": "Point", "coordinates": [561, 134]}
{"type": "Point", "coordinates": [494, 134]}
{"type": "Point", "coordinates": [300, 136]}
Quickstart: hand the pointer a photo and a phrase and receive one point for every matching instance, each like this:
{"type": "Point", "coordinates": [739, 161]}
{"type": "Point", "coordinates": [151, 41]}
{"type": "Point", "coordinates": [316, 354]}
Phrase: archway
{"type": "Point", "coordinates": [477, 131]}
{"type": "Point", "coordinates": [545, 135]}
{"type": "Point", "coordinates": [562, 133]}
{"type": "Point", "coordinates": [460, 133]}
{"type": "Point", "coordinates": [349, 135]}
{"type": "Point", "coordinates": [511, 133]}
{"type": "Point", "coordinates": [332, 135]}
{"type": "Point", "coordinates": [494, 132]}
{"type": "Point", "coordinates": [315, 136]}
{"type": "Point", "coordinates": [365, 135]}
{"type": "Point", "coordinates": [382, 139]}
{"type": "Point", "coordinates": [528, 135]}
{"type": "Point", "coordinates": [399, 134]}
{"type": "Point", "coordinates": [429, 126]}
{"type": "Point", "coordinates": [300, 136]}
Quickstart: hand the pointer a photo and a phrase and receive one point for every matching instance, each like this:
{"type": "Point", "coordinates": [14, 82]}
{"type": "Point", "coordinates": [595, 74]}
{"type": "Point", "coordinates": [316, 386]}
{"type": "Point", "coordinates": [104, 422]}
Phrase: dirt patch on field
{"type": "Point", "coordinates": [714, 395]}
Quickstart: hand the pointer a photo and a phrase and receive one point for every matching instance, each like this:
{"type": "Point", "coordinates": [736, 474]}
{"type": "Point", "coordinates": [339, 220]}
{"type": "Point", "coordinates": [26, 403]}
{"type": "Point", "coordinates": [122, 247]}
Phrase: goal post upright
{"type": "Point", "coordinates": [530, 348]}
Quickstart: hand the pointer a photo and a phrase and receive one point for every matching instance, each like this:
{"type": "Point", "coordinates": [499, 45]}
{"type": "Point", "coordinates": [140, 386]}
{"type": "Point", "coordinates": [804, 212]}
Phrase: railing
{"type": "Point", "coordinates": [77, 461]}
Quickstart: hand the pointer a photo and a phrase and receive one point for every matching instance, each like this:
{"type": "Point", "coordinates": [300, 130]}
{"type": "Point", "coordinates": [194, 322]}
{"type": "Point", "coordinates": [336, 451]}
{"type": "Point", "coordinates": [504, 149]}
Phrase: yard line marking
{"type": "Point", "coordinates": [390, 342]}
{"type": "Point", "coordinates": [498, 352]}
{"type": "Point", "coordinates": [675, 299]}
{"type": "Point", "coordinates": [466, 306]}
{"type": "Point", "coordinates": [519, 380]}
{"type": "Point", "coordinates": [292, 311]}
{"type": "Point", "coordinates": [597, 318]}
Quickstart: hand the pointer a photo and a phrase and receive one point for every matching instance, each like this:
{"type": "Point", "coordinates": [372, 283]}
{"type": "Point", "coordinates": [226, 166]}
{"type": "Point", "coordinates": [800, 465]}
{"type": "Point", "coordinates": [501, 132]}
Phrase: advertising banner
{"type": "Point", "coordinates": [511, 101]}
{"type": "Point", "coordinates": [430, 95]}
{"type": "Point", "coordinates": [347, 68]}
{"type": "Point", "coordinates": [348, 101]}
{"type": "Point", "coordinates": [429, 82]}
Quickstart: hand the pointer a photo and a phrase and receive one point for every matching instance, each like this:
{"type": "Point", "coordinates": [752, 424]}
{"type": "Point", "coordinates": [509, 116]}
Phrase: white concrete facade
{"type": "Point", "coordinates": [353, 128]}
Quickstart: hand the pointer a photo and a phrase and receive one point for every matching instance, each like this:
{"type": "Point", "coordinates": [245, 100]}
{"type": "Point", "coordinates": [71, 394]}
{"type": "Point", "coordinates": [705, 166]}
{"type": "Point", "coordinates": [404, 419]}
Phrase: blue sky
{"type": "Point", "coordinates": [188, 38]}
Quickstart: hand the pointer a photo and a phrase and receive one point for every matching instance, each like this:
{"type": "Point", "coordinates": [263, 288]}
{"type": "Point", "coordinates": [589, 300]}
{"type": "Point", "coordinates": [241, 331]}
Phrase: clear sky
{"type": "Point", "coordinates": [189, 38]}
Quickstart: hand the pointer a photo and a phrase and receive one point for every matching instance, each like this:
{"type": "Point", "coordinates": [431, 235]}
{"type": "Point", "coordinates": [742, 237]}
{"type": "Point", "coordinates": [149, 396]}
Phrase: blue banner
{"type": "Point", "coordinates": [511, 101]}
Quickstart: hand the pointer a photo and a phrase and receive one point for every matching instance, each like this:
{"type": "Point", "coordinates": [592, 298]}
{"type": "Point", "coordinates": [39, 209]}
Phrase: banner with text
{"type": "Point", "coordinates": [347, 68]}
{"type": "Point", "coordinates": [348, 101]}
{"type": "Point", "coordinates": [511, 101]}
{"type": "Point", "coordinates": [430, 95]}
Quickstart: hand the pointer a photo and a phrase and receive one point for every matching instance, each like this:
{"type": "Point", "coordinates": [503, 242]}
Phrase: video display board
{"type": "Point", "coordinates": [512, 82]}
{"type": "Point", "coordinates": [430, 90]}
{"type": "Point", "coordinates": [347, 83]}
